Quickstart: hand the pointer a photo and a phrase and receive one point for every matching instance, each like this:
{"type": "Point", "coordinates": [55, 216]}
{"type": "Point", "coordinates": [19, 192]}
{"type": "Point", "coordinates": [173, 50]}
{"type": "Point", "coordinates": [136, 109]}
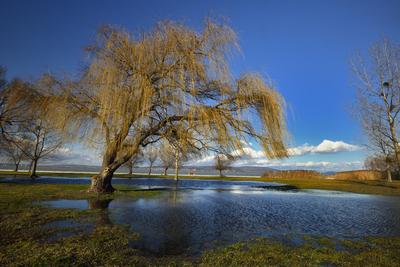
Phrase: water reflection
{"type": "Point", "coordinates": [187, 221]}
{"type": "Point", "coordinates": [102, 205]}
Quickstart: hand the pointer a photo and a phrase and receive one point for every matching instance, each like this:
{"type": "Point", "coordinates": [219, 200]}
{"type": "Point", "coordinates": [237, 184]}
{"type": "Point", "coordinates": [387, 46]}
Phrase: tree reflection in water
{"type": "Point", "coordinates": [101, 205]}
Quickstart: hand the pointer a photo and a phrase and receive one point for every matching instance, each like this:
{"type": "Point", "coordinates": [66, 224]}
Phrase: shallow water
{"type": "Point", "coordinates": [189, 220]}
{"type": "Point", "coordinates": [150, 183]}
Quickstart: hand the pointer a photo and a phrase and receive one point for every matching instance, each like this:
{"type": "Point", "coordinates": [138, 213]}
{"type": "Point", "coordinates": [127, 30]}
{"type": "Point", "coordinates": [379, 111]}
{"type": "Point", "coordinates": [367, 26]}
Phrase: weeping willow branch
{"type": "Point", "coordinates": [140, 88]}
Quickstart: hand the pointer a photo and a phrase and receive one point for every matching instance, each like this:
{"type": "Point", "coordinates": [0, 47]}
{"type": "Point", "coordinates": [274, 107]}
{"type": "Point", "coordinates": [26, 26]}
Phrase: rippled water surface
{"type": "Point", "coordinates": [189, 220]}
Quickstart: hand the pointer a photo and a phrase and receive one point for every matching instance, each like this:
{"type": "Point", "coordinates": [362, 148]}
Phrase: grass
{"type": "Point", "coordinates": [314, 252]}
{"type": "Point", "coordinates": [378, 187]}
{"type": "Point", "coordinates": [26, 241]}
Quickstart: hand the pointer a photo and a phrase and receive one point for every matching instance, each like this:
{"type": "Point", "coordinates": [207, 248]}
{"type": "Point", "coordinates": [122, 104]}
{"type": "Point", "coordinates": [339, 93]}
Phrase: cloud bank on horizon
{"type": "Point", "coordinates": [253, 157]}
{"type": "Point", "coordinates": [250, 156]}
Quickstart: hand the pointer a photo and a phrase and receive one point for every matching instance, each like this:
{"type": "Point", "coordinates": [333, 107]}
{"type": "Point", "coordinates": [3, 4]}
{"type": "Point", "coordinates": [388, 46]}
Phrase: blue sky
{"type": "Point", "coordinates": [303, 46]}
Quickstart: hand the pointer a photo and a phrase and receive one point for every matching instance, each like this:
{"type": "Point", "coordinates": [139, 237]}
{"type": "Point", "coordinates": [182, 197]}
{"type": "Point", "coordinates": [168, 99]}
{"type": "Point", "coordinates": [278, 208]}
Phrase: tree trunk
{"type": "Point", "coordinates": [165, 171]}
{"type": "Point", "coordinates": [389, 175]}
{"type": "Point", "coordinates": [151, 166]}
{"type": "Point", "coordinates": [30, 166]}
{"type": "Point", "coordinates": [130, 170]}
{"type": "Point", "coordinates": [176, 165]}
{"type": "Point", "coordinates": [101, 183]}
{"type": "Point", "coordinates": [394, 141]}
{"type": "Point", "coordinates": [33, 169]}
{"type": "Point", "coordinates": [220, 173]}
{"type": "Point", "coordinates": [16, 166]}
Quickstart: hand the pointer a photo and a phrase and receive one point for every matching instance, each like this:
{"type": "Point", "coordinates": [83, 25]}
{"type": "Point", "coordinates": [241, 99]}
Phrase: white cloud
{"type": "Point", "coordinates": [66, 155]}
{"type": "Point", "coordinates": [252, 157]}
{"type": "Point", "coordinates": [327, 146]}
{"type": "Point", "coordinates": [316, 165]}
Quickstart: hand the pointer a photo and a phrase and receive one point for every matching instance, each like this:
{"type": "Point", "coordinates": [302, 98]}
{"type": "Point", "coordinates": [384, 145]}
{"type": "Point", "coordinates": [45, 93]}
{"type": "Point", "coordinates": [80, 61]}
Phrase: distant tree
{"type": "Point", "coordinates": [12, 152]}
{"type": "Point", "coordinates": [378, 95]}
{"type": "Point", "coordinates": [382, 164]}
{"type": "Point", "coordinates": [223, 162]}
{"type": "Point", "coordinates": [25, 126]}
{"type": "Point", "coordinates": [185, 144]}
{"type": "Point", "coordinates": [167, 156]}
{"type": "Point", "coordinates": [151, 155]}
{"type": "Point", "coordinates": [134, 161]}
{"type": "Point", "coordinates": [41, 140]}
{"type": "Point", "coordinates": [136, 88]}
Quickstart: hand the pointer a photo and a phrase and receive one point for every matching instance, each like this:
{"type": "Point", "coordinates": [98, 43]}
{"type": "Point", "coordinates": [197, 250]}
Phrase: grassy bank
{"type": "Point", "coordinates": [26, 239]}
{"type": "Point", "coordinates": [354, 186]}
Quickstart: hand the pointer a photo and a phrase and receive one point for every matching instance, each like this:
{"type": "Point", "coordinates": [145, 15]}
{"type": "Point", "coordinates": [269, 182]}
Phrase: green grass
{"type": "Point", "coordinates": [354, 186]}
{"type": "Point", "coordinates": [314, 252]}
{"type": "Point", "coordinates": [24, 241]}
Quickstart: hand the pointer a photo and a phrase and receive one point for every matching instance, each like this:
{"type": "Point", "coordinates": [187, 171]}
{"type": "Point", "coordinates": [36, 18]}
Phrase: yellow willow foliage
{"type": "Point", "coordinates": [171, 82]}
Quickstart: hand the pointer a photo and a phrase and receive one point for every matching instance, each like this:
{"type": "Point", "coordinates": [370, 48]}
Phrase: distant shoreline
{"type": "Point", "coordinates": [373, 187]}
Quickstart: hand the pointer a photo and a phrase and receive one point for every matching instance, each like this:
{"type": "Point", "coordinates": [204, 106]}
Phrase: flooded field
{"type": "Point", "coordinates": [195, 215]}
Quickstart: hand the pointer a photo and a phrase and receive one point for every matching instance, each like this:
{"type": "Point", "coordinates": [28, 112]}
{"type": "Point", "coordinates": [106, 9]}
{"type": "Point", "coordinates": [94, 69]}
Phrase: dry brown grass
{"type": "Point", "coordinates": [294, 174]}
{"type": "Point", "coordinates": [358, 175]}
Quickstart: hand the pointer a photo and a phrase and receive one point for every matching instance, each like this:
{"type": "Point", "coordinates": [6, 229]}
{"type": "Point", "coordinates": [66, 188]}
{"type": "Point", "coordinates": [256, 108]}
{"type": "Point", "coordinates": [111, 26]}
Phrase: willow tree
{"type": "Point", "coordinates": [137, 88]}
{"type": "Point", "coordinates": [16, 98]}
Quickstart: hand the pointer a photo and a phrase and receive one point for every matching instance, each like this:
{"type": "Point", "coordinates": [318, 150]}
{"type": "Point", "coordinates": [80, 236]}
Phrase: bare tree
{"type": "Point", "coordinates": [151, 154]}
{"type": "Point", "coordinates": [223, 162]}
{"type": "Point", "coordinates": [41, 140]}
{"type": "Point", "coordinates": [167, 156]}
{"type": "Point", "coordinates": [138, 87]}
{"type": "Point", "coordinates": [134, 161]}
{"type": "Point", "coordinates": [185, 144]}
{"type": "Point", "coordinates": [24, 122]}
{"type": "Point", "coordinates": [382, 164]}
{"type": "Point", "coordinates": [12, 152]}
{"type": "Point", "coordinates": [378, 92]}
{"type": "Point", "coordinates": [380, 143]}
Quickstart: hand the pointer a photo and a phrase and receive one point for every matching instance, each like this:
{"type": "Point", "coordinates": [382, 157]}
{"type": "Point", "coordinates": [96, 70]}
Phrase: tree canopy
{"type": "Point", "coordinates": [136, 89]}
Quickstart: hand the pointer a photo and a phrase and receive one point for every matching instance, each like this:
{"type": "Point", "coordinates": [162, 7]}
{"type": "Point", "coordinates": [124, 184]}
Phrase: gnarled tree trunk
{"type": "Point", "coordinates": [101, 183]}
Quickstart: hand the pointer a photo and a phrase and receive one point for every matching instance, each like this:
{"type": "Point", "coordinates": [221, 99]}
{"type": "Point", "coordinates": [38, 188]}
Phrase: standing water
{"type": "Point", "coordinates": [200, 214]}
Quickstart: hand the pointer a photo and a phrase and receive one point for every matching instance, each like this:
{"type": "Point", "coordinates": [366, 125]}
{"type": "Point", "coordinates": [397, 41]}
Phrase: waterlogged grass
{"type": "Point", "coordinates": [314, 252]}
{"type": "Point", "coordinates": [27, 240]}
{"type": "Point", "coordinates": [28, 230]}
